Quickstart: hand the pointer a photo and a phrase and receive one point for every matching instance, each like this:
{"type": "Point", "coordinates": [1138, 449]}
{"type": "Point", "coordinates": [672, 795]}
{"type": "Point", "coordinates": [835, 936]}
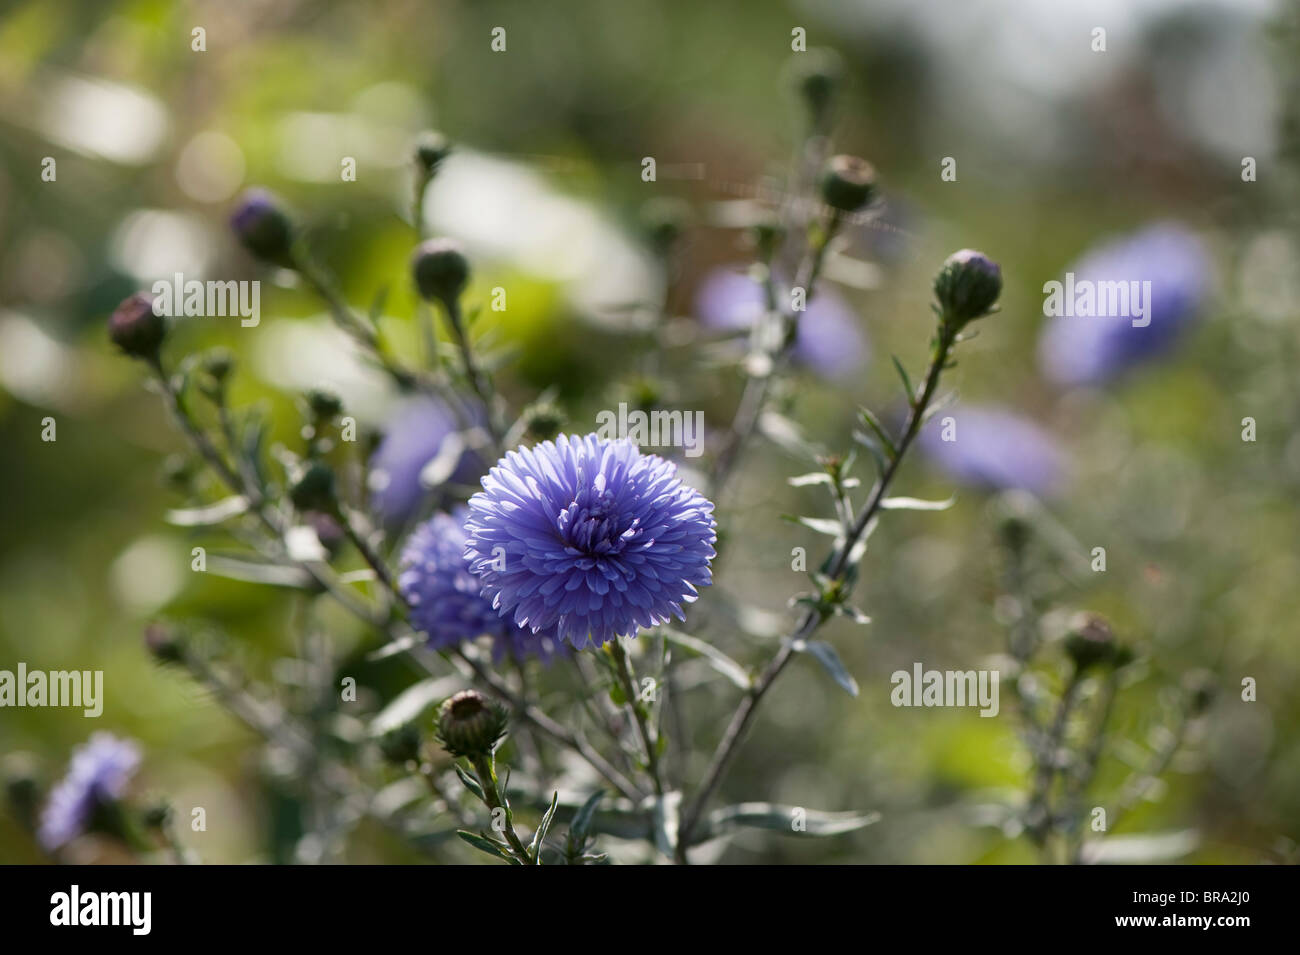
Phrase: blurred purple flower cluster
{"type": "Point", "coordinates": [99, 772]}
{"type": "Point", "coordinates": [829, 341]}
{"type": "Point", "coordinates": [1091, 349]}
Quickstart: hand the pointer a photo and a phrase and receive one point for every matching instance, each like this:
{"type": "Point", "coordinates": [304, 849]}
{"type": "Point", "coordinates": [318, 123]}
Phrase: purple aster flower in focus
{"type": "Point", "coordinates": [98, 773]}
{"type": "Point", "coordinates": [994, 448]}
{"type": "Point", "coordinates": [413, 437]}
{"type": "Point", "coordinates": [445, 598]}
{"type": "Point", "coordinates": [1089, 349]}
{"type": "Point", "coordinates": [587, 539]}
{"type": "Point", "coordinates": [829, 340]}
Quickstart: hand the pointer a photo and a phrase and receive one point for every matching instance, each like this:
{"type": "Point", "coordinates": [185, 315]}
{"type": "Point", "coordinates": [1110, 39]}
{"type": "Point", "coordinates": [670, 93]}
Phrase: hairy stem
{"type": "Point", "coordinates": [628, 683]}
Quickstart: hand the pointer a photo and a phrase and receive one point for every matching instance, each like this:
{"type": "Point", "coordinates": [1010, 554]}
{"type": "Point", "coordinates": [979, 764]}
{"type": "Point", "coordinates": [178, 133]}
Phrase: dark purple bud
{"type": "Point", "coordinates": [1091, 643]}
{"type": "Point", "coordinates": [441, 270]}
{"type": "Point", "coordinates": [136, 328]}
{"type": "Point", "coordinates": [263, 227]}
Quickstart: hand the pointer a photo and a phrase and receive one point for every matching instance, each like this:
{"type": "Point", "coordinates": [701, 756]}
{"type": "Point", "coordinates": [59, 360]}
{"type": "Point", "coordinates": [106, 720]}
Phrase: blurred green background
{"type": "Point", "coordinates": [1057, 147]}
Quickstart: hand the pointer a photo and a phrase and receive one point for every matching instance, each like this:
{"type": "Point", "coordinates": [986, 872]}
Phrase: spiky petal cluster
{"type": "Point", "coordinates": [444, 596]}
{"type": "Point", "coordinates": [586, 539]}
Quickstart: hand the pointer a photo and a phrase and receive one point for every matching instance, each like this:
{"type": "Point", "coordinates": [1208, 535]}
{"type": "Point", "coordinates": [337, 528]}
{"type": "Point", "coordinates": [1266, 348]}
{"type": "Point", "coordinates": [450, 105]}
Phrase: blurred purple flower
{"type": "Point", "coordinates": [413, 437]}
{"type": "Point", "coordinates": [1079, 350]}
{"type": "Point", "coordinates": [97, 773]}
{"type": "Point", "coordinates": [444, 596]}
{"type": "Point", "coordinates": [829, 341]}
{"type": "Point", "coordinates": [587, 539]}
{"type": "Point", "coordinates": [994, 448]}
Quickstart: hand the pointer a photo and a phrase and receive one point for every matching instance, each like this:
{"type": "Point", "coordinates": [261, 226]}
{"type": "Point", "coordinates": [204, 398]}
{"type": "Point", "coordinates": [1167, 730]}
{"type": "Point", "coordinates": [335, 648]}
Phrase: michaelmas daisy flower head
{"type": "Point", "coordinates": [98, 774]}
{"type": "Point", "coordinates": [444, 597]}
{"type": "Point", "coordinates": [587, 539]}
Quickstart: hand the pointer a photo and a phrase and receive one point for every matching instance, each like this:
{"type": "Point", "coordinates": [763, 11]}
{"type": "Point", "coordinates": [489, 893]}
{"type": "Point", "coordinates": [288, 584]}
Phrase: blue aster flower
{"type": "Point", "coordinates": [413, 437]}
{"type": "Point", "coordinates": [445, 598]}
{"type": "Point", "coordinates": [829, 340]}
{"type": "Point", "coordinates": [1086, 349]}
{"type": "Point", "coordinates": [98, 773]}
{"type": "Point", "coordinates": [587, 539]}
{"type": "Point", "coordinates": [994, 448]}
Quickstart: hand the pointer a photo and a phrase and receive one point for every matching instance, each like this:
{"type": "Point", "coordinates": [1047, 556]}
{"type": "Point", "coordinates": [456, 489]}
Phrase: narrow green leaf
{"type": "Point", "coordinates": [872, 422]}
{"type": "Point", "coordinates": [822, 525]}
{"type": "Point", "coordinates": [407, 706]}
{"type": "Point", "coordinates": [209, 515]}
{"type": "Point", "coordinates": [582, 819]}
{"type": "Point", "coordinates": [535, 847]}
{"type": "Point", "coordinates": [907, 381]}
{"type": "Point", "coordinates": [275, 575]}
{"type": "Point", "coordinates": [915, 504]}
{"type": "Point", "coordinates": [825, 654]}
{"type": "Point", "coordinates": [470, 782]}
{"type": "Point", "coordinates": [794, 820]}
{"type": "Point", "coordinates": [724, 664]}
{"type": "Point", "coordinates": [487, 845]}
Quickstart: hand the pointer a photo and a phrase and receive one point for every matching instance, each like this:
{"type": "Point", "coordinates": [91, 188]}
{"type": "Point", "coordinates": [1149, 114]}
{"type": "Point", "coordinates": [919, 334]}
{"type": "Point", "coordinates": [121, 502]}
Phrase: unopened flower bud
{"type": "Point", "coordinates": [263, 227]}
{"type": "Point", "coordinates": [441, 270]}
{"type": "Point", "coordinates": [157, 814]}
{"type": "Point", "coordinates": [664, 219]}
{"type": "Point", "coordinates": [136, 328]}
{"type": "Point", "coordinates": [323, 404]}
{"type": "Point", "coordinates": [1201, 690]}
{"type": "Point", "coordinates": [967, 286]}
{"type": "Point", "coordinates": [313, 490]}
{"type": "Point", "coordinates": [22, 787]}
{"type": "Point", "coordinates": [219, 363]}
{"type": "Point", "coordinates": [1091, 643]}
{"type": "Point", "coordinates": [470, 725]}
{"type": "Point", "coordinates": [848, 183]}
{"type": "Point", "coordinates": [401, 745]}
{"type": "Point", "coordinates": [543, 421]}
{"type": "Point", "coordinates": [163, 643]}
{"type": "Point", "coordinates": [817, 78]}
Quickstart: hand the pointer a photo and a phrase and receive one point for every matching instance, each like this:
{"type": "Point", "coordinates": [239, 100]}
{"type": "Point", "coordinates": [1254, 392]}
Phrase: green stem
{"type": "Point", "coordinates": [639, 714]}
{"type": "Point", "coordinates": [944, 340]}
{"type": "Point", "coordinates": [485, 767]}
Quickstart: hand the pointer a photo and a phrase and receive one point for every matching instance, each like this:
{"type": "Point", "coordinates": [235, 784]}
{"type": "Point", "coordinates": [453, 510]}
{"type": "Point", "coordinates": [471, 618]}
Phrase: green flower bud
{"type": "Point", "coordinates": [219, 363]}
{"type": "Point", "coordinates": [401, 745]}
{"type": "Point", "coordinates": [323, 404]}
{"type": "Point", "coordinates": [470, 725]}
{"type": "Point", "coordinates": [848, 183]}
{"type": "Point", "coordinates": [157, 814]}
{"type": "Point", "coordinates": [664, 219]}
{"type": "Point", "coordinates": [1201, 690]}
{"type": "Point", "coordinates": [313, 490]}
{"type": "Point", "coordinates": [1091, 643]}
{"type": "Point", "coordinates": [22, 788]}
{"type": "Point", "coordinates": [441, 270]}
{"type": "Point", "coordinates": [136, 328]}
{"type": "Point", "coordinates": [967, 286]}
{"type": "Point", "coordinates": [543, 421]}
{"type": "Point", "coordinates": [818, 76]}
